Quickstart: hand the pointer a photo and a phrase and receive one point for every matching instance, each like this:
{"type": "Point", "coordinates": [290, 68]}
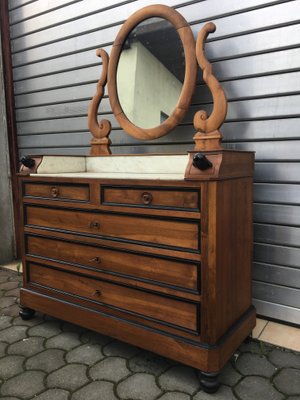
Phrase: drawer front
{"type": "Point", "coordinates": [161, 270]}
{"type": "Point", "coordinates": [57, 191]}
{"type": "Point", "coordinates": [181, 234]}
{"type": "Point", "coordinates": [171, 198]}
{"type": "Point", "coordinates": [167, 310]}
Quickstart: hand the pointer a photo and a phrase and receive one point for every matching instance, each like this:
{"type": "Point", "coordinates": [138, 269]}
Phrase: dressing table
{"type": "Point", "coordinates": [152, 249]}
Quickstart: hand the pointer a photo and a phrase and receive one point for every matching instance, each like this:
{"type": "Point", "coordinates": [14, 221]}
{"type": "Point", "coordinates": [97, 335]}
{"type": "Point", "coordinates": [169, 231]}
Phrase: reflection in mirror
{"type": "Point", "coordinates": [150, 72]}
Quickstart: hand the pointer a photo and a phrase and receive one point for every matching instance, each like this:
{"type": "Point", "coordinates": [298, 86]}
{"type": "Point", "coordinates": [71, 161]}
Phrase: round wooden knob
{"type": "Point", "coordinates": [54, 191]}
{"type": "Point", "coordinates": [95, 225]}
{"type": "Point", "coordinates": [146, 197]}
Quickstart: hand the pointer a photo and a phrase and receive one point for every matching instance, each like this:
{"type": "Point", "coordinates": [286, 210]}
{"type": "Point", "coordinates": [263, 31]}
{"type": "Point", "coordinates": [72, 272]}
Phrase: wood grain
{"type": "Point", "coordinates": [188, 42]}
{"type": "Point", "coordinates": [161, 308]}
{"type": "Point", "coordinates": [172, 233]}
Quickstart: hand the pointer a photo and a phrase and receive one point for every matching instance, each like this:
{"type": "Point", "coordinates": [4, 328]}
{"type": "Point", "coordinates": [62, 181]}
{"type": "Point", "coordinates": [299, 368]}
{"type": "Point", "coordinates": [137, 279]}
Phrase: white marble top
{"type": "Point", "coordinates": [115, 167]}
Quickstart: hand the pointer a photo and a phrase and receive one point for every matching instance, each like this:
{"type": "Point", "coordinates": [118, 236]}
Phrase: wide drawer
{"type": "Point", "coordinates": [165, 198]}
{"type": "Point", "coordinates": [175, 233]}
{"type": "Point", "coordinates": [180, 314]}
{"type": "Point", "coordinates": [57, 191]}
{"type": "Point", "coordinates": [182, 274]}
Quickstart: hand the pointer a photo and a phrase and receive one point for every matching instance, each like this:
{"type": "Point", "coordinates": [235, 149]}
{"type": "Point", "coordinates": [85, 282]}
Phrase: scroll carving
{"type": "Point", "coordinates": [100, 130]}
{"type": "Point", "coordinates": [208, 136]}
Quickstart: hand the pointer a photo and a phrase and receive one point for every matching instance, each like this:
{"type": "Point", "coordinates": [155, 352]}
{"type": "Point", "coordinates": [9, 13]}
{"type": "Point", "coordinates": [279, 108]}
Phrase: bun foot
{"type": "Point", "coordinates": [26, 313]}
{"type": "Point", "coordinates": [209, 381]}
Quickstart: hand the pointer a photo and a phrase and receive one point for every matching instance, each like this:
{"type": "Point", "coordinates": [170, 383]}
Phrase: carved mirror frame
{"type": "Point", "coordinates": [188, 42]}
{"type": "Point", "coordinates": [208, 136]}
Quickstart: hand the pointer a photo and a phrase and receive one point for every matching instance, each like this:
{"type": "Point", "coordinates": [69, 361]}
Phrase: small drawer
{"type": "Point", "coordinates": [174, 233]}
{"type": "Point", "coordinates": [164, 198]}
{"type": "Point", "coordinates": [162, 309]}
{"type": "Point", "coordinates": [179, 274]}
{"type": "Point", "coordinates": [57, 191]}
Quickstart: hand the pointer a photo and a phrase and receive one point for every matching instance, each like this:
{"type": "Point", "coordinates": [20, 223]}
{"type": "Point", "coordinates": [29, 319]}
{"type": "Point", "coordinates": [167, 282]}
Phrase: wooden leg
{"type": "Point", "coordinates": [248, 339]}
{"type": "Point", "coordinates": [209, 381]}
{"type": "Point", "coordinates": [26, 313]}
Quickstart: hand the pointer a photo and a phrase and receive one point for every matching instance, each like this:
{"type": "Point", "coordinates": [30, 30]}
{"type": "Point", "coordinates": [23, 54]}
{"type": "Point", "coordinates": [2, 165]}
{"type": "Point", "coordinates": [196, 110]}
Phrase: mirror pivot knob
{"type": "Point", "coordinates": [201, 162]}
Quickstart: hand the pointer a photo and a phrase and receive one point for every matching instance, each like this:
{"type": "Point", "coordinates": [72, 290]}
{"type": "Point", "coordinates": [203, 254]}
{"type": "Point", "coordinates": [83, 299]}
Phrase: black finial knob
{"type": "Point", "coordinates": [28, 161]}
{"type": "Point", "coordinates": [201, 162]}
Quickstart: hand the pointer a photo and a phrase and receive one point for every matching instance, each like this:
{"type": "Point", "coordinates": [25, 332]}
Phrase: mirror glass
{"type": "Point", "coordinates": [150, 72]}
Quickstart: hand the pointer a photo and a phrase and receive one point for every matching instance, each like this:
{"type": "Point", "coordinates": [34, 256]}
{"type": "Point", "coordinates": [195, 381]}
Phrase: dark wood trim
{"type": "Point", "coordinates": [11, 119]}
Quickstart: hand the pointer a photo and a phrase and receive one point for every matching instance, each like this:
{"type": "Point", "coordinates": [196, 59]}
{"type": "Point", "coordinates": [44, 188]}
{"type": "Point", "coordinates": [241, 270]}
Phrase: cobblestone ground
{"type": "Point", "coordinates": [48, 359]}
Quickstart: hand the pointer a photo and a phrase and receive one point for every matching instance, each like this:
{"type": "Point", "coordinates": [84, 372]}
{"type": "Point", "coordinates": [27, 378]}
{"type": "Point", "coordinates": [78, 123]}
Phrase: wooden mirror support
{"type": "Point", "coordinates": [100, 130]}
{"type": "Point", "coordinates": [208, 136]}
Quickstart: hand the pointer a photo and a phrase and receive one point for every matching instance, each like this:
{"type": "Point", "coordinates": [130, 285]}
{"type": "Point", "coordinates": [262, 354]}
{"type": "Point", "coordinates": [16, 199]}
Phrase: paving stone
{"type": "Point", "coordinates": [46, 329]}
{"type": "Point", "coordinates": [258, 388]}
{"type": "Point", "coordinates": [149, 362]}
{"type": "Point", "coordinates": [223, 393]}
{"type": "Point", "coordinates": [68, 327]}
{"type": "Point", "coordinates": [9, 285]}
{"type": "Point", "coordinates": [36, 320]}
{"type": "Point", "coordinates": [13, 292]}
{"type": "Point", "coordinates": [3, 278]}
{"type": "Point", "coordinates": [288, 381]}
{"type": "Point", "coordinates": [293, 398]}
{"type": "Point", "coordinates": [27, 347]}
{"type": "Point", "coordinates": [95, 338]}
{"type": "Point", "coordinates": [3, 347]}
{"type": "Point", "coordinates": [48, 360]}
{"type": "Point", "coordinates": [139, 386]}
{"type": "Point", "coordinates": [180, 378]}
{"type": "Point", "coordinates": [121, 349]}
{"type": "Point", "coordinates": [253, 364]}
{"type": "Point", "coordinates": [5, 321]}
{"type": "Point", "coordinates": [229, 376]}
{"type": "Point", "coordinates": [25, 385]}
{"type": "Point", "coordinates": [174, 396]}
{"type": "Point", "coordinates": [9, 398]}
{"type": "Point", "coordinates": [111, 369]}
{"type": "Point", "coordinates": [85, 354]}
{"type": "Point", "coordinates": [13, 334]}
{"type": "Point", "coordinates": [53, 394]}
{"type": "Point", "coordinates": [283, 358]}
{"type": "Point", "coordinates": [7, 301]}
{"type": "Point", "coordinates": [70, 377]}
{"type": "Point", "coordinates": [65, 341]}
{"type": "Point", "coordinates": [96, 391]}
{"type": "Point", "coordinates": [10, 366]}
{"type": "Point", "coordinates": [12, 311]}
{"type": "Point", "coordinates": [256, 347]}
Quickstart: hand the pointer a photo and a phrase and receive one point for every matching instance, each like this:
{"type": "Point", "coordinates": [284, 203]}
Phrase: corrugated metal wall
{"type": "Point", "coordinates": [256, 55]}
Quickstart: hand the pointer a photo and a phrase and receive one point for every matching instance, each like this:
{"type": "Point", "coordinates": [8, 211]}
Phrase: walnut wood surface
{"type": "Point", "coordinates": [188, 200]}
{"type": "Point", "coordinates": [160, 270]}
{"type": "Point", "coordinates": [188, 42]}
{"type": "Point", "coordinates": [180, 234]}
{"type": "Point", "coordinates": [100, 130]}
{"type": "Point", "coordinates": [209, 359]}
{"type": "Point", "coordinates": [174, 281]}
{"type": "Point", "coordinates": [161, 308]}
{"type": "Point", "coordinates": [57, 192]}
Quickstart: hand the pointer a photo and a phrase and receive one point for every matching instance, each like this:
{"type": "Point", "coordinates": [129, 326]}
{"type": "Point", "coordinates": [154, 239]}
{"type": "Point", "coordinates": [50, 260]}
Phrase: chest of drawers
{"type": "Point", "coordinates": [161, 264]}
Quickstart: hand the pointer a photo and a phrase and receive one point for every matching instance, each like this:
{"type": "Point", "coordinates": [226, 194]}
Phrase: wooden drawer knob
{"type": "Point", "coordinates": [97, 293]}
{"type": "Point", "coordinates": [94, 225]}
{"type": "Point", "coordinates": [54, 191]}
{"type": "Point", "coordinates": [146, 197]}
{"type": "Point", "coordinates": [96, 260]}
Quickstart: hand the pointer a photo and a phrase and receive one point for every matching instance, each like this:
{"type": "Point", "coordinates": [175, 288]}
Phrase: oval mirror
{"type": "Point", "coordinates": [152, 72]}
